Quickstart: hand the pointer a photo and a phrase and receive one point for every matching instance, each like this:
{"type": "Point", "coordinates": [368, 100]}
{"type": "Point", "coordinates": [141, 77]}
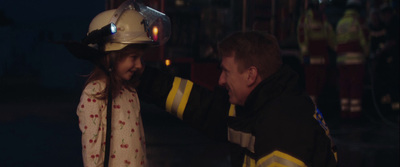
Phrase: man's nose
{"type": "Point", "coordinates": [221, 80]}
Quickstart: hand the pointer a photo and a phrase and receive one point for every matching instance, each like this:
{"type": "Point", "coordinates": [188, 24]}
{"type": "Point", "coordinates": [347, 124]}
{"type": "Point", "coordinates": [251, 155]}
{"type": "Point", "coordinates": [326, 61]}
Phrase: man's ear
{"type": "Point", "coordinates": [252, 75]}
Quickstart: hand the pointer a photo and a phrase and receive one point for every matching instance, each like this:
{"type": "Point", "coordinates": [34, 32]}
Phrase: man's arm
{"type": "Point", "coordinates": [202, 109]}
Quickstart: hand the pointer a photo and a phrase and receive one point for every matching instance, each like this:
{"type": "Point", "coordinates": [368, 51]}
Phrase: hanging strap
{"type": "Point", "coordinates": [108, 129]}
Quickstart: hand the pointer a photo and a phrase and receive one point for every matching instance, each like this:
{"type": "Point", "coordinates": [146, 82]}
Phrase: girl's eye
{"type": "Point", "coordinates": [132, 56]}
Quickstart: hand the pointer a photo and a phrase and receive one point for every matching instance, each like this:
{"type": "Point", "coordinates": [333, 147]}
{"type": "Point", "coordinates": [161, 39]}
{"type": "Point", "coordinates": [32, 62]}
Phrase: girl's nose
{"type": "Point", "coordinates": [138, 63]}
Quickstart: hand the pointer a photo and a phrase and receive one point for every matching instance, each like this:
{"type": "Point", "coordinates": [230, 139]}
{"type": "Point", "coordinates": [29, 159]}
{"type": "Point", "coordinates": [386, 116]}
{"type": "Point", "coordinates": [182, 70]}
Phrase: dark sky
{"type": "Point", "coordinates": [28, 11]}
{"type": "Point", "coordinates": [27, 49]}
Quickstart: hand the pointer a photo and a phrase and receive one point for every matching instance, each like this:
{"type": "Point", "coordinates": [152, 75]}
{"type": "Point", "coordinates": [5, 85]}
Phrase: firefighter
{"type": "Point", "coordinates": [388, 60]}
{"type": "Point", "coordinates": [377, 33]}
{"type": "Point", "coordinates": [351, 53]}
{"type": "Point", "coordinates": [263, 113]}
{"type": "Point", "coordinates": [315, 37]}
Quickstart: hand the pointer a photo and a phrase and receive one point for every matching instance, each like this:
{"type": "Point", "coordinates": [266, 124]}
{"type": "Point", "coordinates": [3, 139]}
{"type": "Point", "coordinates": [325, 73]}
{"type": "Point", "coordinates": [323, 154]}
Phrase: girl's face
{"type": "Point", "coordinates": [130, 63]}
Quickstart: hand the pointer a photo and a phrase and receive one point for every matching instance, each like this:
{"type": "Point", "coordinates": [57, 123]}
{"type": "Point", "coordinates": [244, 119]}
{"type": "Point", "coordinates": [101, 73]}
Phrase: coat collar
{"type": "Point", "coordinates": [281, 82]}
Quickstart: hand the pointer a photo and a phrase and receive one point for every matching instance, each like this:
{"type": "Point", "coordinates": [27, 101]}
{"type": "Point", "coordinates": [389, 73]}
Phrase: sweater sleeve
{"type": "Point", "coordinates": [92, 124]}
{"type": "Point", "coordinates": [202, 109]}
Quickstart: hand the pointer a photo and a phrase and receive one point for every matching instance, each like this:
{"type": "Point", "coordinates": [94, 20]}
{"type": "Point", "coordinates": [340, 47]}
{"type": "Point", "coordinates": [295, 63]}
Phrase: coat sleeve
{"type": "Point", "coordinates": [202, 109]}
{"type": "Point", "coordinates": [90, 116]}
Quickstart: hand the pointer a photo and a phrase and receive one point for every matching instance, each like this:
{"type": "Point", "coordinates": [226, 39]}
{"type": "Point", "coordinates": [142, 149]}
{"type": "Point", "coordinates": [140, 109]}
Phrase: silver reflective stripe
{"type": "Point", "coordinates": [178, 96]}
{"type": "Point", "coordinates": [243, 139]}
{"type": "Point", "coordinates": [350, 58]}
{"type": "Point", "coordinates": [276, 159]}
{"type": "Point", "coordinates": [317, 60]}
{"type": "Point", "coordinates": [247, 160]}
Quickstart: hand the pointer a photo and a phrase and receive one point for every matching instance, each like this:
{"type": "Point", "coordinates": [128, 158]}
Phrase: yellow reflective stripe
{"type": "Point", "coordinates": [232, 111]}
{"type": "Point", "coordinates": [344, 38]}
{"type": "Point", "coordinates": [172, 93]}
{"type": "Point", "coordinates": [178, 96]}
{"type": "Point", "coordinates": [243, 139]}
{"type": "Point", "coordinates": [318, 35]}
{"type": "Point", "coordinates": [248, 161]}
{"type": "Point", "coordinates": [335, 154]}
{"type": "Point", "coordinates": [278, 158]}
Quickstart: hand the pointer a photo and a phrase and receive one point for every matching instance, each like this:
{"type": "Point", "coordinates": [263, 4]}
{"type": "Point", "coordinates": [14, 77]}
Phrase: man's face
{"type": "Point", "coordinates": [234, 81]}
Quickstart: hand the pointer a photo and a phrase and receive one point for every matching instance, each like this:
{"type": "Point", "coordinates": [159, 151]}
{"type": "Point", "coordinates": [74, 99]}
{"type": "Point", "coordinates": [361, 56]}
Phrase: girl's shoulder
{"type": "Point", "coordinates": [94, 87]}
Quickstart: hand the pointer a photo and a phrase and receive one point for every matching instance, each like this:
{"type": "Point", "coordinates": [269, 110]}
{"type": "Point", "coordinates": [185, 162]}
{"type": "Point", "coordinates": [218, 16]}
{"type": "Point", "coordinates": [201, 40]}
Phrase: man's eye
{"type": "Point", "coordinates": [225, 72]}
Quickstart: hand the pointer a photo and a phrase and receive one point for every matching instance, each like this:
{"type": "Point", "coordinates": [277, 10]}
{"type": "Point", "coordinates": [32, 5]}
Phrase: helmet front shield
{"type": "Point", "coordinates": [155, 24]}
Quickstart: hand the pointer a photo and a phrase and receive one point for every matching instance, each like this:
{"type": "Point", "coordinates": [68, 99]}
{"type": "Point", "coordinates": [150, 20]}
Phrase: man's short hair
{"type": "Point", "coordinates": [252, 49]}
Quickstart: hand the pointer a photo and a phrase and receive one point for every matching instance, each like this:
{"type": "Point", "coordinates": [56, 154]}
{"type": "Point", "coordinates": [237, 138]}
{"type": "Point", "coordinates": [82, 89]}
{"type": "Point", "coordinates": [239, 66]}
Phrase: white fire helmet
{"type": "Point", "coordinates": [131, 23]}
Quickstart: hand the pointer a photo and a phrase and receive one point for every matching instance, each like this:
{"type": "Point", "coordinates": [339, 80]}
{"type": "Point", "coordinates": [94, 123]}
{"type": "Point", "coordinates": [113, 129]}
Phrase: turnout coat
{"type": "Point", "coordinates": [278, 125]}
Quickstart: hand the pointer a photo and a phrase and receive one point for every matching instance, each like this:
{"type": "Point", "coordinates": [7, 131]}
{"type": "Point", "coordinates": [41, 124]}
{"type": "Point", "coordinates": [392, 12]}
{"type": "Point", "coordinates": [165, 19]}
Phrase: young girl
{"type": "Point", "coordinates": [118, 141]}
{"type": "Point", "coordinates": [127, 138]}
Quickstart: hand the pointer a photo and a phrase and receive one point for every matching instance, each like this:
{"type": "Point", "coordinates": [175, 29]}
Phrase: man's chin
{"type": "Point", "coordinates": [232, 101]}
{"type": "Point", "coordinates": [235, 102]}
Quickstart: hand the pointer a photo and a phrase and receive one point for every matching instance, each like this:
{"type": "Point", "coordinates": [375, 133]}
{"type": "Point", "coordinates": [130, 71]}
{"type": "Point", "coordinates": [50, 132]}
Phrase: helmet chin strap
{"type": "Point", "coordinates": [109, 111]}
{"type": "Point", "coordinates": [108, 129]}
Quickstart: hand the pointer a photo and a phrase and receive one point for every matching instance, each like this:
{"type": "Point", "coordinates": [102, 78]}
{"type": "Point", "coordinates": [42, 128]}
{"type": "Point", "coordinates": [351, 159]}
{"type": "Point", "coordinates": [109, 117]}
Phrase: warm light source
{"type": "Point", "coordinates": [155, 33]}
{"type": "Point", "coordinates": [167, 62]}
